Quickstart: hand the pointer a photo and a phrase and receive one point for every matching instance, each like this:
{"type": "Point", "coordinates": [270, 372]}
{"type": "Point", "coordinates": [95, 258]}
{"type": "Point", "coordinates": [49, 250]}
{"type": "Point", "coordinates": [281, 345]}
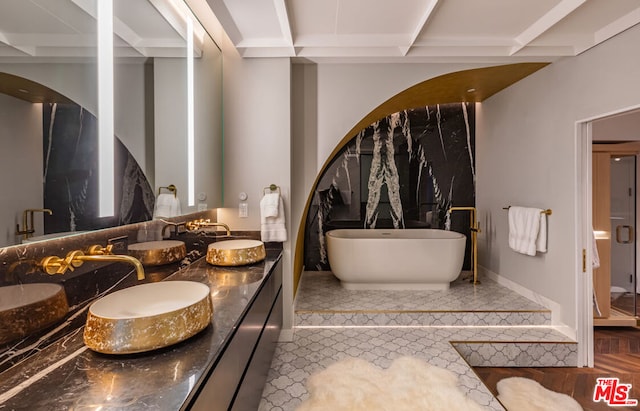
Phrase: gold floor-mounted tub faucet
{"type": "Point", "coordinates": [475, 229]}
{"type": "Point", "coordinates": [28, 230]}
{"type": "Point", "coordinates": [74, 259]}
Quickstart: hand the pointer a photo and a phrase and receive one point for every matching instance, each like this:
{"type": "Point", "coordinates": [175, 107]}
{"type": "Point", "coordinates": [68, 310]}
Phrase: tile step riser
{"type": "Point", "coordinates": [519, 354]}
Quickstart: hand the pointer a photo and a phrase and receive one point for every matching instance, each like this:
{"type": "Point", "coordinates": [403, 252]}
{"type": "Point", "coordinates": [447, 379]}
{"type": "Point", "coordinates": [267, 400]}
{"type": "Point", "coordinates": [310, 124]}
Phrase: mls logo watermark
{"type": "Point", "coordinates": [613, 392]}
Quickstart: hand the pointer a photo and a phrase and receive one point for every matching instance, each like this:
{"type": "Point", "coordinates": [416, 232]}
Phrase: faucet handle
{"type": "Point", "coordinates": [56, 265]}
{"type": "Point", "coordinates": [52, 265]}
{"type": "Point", "coordinates": [100, 250]}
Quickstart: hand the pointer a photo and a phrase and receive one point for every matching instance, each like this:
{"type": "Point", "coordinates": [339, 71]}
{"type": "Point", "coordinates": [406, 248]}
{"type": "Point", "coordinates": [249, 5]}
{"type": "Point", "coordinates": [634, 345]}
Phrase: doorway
{"type": "Point", "coordinates": [615, 282]}
{"type": "Point", "coordinates": [623, 223]}
{"type": "Point", "coordinates": [619, 126]}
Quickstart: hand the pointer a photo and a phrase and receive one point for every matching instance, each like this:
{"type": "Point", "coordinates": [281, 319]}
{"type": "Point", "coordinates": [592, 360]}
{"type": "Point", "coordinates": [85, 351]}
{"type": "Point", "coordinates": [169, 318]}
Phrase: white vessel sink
{"type": "Point", "coordinates": [235, 252]}
{"type": "Point", "coordinates": [148, 316]}
{"type": "Point", "coordinates": [27, 308]}
{"type": "Point", "coordinates": [153, 253]}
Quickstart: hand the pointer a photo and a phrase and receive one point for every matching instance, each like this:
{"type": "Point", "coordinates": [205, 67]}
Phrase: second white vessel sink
{"type": "Point", "coordinates": [235, 252]}
{"type": "Point", "coordinates": [148, 316]}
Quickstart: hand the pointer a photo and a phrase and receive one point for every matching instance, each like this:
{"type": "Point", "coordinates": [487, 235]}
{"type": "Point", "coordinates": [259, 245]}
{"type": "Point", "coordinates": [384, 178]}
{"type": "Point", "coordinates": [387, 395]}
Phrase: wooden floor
{"type": "Point", "coordinates": [627, 302]}
{"type": "Point", "coordinates": [617, 354]}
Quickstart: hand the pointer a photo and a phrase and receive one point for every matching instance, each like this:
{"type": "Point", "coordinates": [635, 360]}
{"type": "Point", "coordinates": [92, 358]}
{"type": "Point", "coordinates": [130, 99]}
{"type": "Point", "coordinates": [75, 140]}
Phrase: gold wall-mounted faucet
{"type": "Point", "coordinates": [475, 229]}
{"type": "Point", "coordinates": [175, 226]}
{"type": "Point", "coordinates": [74, 259]}
{"type": "Point", "coordinates": [27, 217]}
{"type": "Point", "coordinates": [197, 224]}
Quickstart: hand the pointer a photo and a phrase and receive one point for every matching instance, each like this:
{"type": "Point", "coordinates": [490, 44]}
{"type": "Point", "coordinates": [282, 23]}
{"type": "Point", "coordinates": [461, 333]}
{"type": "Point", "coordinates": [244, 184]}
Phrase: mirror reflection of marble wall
{"type": "Point", "coordinates": [70, 152]}
{"type": "Point", "coordinates": [404, 171]}
{"type": "Point", "coordinates": [145, 38]}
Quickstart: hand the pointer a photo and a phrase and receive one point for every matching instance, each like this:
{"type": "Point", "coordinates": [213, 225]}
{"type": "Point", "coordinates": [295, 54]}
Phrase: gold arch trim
{"type": "Point", "coordinates": [473, 85]}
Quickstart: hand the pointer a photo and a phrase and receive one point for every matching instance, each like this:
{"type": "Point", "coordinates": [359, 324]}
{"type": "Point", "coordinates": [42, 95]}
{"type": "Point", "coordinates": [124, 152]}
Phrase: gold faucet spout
{"type": "Point", "coordinates": [115, 258]}
{"type": "Point", "coordinates": [197, 224]}
{"type": "Point", "coordinates": [74, 259]}
{"type": "Point", "coordinates": [175, 226]}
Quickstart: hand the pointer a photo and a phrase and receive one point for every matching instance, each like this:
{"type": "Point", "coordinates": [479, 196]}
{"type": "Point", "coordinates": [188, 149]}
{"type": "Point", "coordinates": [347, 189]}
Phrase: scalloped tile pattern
{"type": "Point", "coordinates": [445, 328]}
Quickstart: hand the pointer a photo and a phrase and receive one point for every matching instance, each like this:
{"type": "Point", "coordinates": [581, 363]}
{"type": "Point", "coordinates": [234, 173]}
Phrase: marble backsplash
{"type": "Point", "coordinates": [20, 265]}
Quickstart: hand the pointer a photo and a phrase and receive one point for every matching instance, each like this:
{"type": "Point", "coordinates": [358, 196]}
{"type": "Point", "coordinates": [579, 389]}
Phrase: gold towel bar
{"type": "Point", "coordinates": [547, 211]}
{"type": "Point", "coordinates": [171, 188]}
{"type": "Point", "coordinates": [272, 187]}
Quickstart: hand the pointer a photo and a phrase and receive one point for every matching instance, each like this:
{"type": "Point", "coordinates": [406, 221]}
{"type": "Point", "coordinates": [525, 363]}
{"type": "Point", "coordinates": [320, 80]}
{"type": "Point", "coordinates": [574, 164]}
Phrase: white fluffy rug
{"type": "Point", "coordinates": [524, 394]}
{"type": "Point", "coordinates": [409, 384]}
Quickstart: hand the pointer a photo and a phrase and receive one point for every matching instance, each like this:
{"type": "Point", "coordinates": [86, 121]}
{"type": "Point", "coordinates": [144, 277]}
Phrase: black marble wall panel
{"type": "Point", "coordinates": [71, 174]}
{"type": "Point", "coordinates": [403, 171]}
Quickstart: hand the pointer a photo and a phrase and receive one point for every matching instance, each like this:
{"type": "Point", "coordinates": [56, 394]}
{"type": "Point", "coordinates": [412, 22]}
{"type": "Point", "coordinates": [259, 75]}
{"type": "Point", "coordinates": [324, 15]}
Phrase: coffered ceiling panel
{"type": "Point", "coordinates": [487, 31]}
{"type": "Point", "coordinates": [44, 29]}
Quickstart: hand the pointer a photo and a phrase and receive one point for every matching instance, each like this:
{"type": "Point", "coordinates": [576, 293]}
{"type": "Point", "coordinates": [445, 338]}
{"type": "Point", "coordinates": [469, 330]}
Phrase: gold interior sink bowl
{"type": "Point", "coordinates": [153, 253]}
{"type": "Point", "coordinates": [147, 317]}
{"type": "Point", "coordinates": [235, 252]}
{"type": "Point", "coordinates": [27, 308]}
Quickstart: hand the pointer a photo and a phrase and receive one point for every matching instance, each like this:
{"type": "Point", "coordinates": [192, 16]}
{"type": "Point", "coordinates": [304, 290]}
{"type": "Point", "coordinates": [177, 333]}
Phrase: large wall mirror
{"type": "Point", "coordinates": [49, 114]}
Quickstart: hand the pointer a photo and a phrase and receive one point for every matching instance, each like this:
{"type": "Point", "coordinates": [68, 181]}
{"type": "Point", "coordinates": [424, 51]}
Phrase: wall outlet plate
{"type": "Point", "coordinates": [243, 210]}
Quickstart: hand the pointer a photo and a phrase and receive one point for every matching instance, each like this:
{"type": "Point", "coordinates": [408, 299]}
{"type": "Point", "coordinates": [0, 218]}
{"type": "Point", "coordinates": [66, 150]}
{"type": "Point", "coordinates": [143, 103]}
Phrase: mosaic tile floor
{"type": "Point", "coordinates": [379, 326]}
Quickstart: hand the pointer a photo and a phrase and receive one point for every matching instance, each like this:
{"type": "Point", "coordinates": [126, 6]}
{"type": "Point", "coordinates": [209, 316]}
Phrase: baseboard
{"type": "Point", "coordinates": [286, 335]}
{"type": "Point", "coordinates": [554, 307]}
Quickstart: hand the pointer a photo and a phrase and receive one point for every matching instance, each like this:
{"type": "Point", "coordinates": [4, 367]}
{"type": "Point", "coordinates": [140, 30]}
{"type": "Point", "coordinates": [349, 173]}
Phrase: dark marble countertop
{"type": "Point", "coordinates": [66, 375]}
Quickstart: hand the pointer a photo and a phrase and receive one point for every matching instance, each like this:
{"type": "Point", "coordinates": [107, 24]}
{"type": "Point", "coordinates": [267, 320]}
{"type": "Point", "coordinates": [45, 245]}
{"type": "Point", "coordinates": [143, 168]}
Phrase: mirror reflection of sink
{"type": "Point", "coordinates": [235, 252]}
{"type": "Point", "coordinates": [28, 308]}
{"type": "Point", "coordinates": [222, 278]}
{"type": "Point", "coordinates": [153, 253]}
{"type": "Point", "coordinates": [148, 316]}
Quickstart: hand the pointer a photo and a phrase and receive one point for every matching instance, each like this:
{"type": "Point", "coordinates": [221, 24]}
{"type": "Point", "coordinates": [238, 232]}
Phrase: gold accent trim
{"type": "Point", "coordinates": [511, 342]}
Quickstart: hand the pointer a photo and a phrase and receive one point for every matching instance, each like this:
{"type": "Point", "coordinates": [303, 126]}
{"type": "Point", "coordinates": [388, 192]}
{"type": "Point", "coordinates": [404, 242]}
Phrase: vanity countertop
{"type": "Point", "coordinates": [68, 376]}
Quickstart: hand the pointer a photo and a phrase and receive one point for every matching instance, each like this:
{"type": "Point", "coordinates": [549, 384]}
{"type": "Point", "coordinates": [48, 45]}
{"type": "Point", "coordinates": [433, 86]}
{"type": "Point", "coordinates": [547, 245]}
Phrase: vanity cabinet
{"type": "Point", "coordinates": [237, 379]}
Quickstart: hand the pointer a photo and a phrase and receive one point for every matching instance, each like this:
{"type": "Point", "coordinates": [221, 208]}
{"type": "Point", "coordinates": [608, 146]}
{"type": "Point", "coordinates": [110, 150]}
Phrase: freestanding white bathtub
{"type": "Point", "coordinates": [409, 259]}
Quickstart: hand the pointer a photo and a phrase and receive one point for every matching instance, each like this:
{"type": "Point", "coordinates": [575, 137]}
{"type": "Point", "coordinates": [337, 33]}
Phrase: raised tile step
{"type": "Point", "coordinates": [421, 318]}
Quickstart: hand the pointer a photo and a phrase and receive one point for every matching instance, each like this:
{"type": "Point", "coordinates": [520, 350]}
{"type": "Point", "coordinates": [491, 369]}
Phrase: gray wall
{"type": "Point", "coordinates": [526, 155]}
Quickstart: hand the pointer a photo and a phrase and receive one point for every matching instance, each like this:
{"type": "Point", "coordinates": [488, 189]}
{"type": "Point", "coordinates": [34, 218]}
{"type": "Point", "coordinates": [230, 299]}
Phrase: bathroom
{"type": "Point", "coordinates": [531, 120]}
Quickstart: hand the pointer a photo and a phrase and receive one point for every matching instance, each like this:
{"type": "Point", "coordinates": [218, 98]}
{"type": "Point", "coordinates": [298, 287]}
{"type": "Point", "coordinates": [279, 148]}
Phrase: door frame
{"type": "Point", "coordinates": [584, 235]}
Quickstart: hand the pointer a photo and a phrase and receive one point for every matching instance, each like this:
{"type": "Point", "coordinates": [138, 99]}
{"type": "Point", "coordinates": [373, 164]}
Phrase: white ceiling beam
{"type": "Point", "coordinates": [617, 26]}
{"type": "Point", "coordinates": [285, 23]}
{"type": "Point", "coordinates": [223, 15]}
{"type": "Point", "coordinates": [350, 40]}
{"type": "Point", "coordinates": [544, 23]}
{"type": "Point", "coordinates": [129, 36]}
{"type": "Point", "coordinates": [177, 19]}
{"type": "Point", "coordinates": [431, 5]}
{"type": "Point", "coordinates": [29, 51]}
